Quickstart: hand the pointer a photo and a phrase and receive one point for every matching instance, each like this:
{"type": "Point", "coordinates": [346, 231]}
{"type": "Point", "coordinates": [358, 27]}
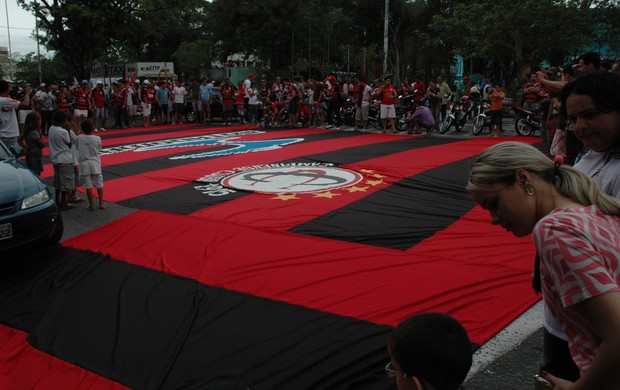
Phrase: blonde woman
{"type": "Point", "coordinates": [576, 230]}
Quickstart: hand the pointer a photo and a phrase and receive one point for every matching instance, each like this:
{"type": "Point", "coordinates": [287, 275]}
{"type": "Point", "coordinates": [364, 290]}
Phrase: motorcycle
{"type": "Point", "coordinates": [374, 113]}
{"type": "Point", "coordinates": [456, 115]}
{"type": "Point", "coordinates": [526, 122]}
{"type": "Point", "coordinates": [405, 105]}
{"type": "Point", "coordinates": [483, 118]}
{"type": "Point", "coordinates": [347, 112]}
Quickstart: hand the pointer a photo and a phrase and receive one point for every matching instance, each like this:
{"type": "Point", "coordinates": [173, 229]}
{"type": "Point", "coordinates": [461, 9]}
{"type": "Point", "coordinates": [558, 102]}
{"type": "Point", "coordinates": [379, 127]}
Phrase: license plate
{"type": "Point", "coordinates": [6, 231]}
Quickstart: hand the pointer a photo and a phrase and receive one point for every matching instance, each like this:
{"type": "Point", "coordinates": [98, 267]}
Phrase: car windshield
{"type": "Point", "coordinates": [5, 154]}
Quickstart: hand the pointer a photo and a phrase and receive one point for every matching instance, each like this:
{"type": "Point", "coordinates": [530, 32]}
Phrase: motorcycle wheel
{"type": "Point", "coordinates": [478, 125]}
{"type": "Point", "coordinates": [399, 122]}
{"type": "Point", "coordinates": [523, 128]}
{"type": "Point", "coordinates": [445, 124]}
{"type": "Point", "coordinates": [349, 119]}
{"type": "Point", "coordinates": [190, 117]}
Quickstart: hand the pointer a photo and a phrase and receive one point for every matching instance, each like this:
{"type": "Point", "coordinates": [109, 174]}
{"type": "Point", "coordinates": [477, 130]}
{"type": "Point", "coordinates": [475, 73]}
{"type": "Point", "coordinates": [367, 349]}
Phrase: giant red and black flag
{"type": "Point", "coordinates": [286, 255]}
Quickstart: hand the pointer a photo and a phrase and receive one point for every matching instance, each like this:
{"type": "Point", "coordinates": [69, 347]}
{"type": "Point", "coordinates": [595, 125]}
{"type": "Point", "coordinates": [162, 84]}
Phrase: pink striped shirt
{"type": "Point", "coordinates": [580, 259]}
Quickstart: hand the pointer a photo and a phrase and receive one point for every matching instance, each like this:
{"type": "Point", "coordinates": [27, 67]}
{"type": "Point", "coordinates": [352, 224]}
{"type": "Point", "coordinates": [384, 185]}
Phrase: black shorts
{"type": "Point", "coordinates": [496, 117]}
{"type": "Point", "coordinates": [292, 106]}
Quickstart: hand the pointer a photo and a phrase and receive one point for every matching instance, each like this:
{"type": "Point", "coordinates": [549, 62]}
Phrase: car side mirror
{"type": "Point", "coordinates": [18, 151]}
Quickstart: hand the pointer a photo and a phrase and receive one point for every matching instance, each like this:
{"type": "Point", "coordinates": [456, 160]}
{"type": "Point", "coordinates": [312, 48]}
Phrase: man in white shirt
{"type": "Point", "coordinates": [363, 104]}
{"type": "Point", "coordinates": [9, 128]}
{"type": "Point", "coordinates": [179, 96]}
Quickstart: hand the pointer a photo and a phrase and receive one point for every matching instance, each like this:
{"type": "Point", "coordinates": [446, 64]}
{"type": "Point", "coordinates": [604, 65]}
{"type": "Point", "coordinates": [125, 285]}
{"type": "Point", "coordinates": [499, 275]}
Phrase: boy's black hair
{"type": "Point", "coordinates": [4, 86]}
{"type": "Point", "coordinates": [433, 347]}
{"type": "Point", "coordinates": [86, 126]}
{"type": "Point", "coordinates": [60, 117]}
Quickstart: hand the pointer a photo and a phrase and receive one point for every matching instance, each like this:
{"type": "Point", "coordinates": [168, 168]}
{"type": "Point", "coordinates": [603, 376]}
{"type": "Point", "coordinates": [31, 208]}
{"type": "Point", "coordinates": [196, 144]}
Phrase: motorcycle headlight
{"type": "Point", "coordinates": [36, 199]}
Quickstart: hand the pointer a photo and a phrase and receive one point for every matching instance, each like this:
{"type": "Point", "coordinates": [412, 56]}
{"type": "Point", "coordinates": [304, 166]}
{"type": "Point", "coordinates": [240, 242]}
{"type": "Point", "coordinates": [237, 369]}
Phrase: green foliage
{"type": "Point", "coordinates": [291, 36]}
{"type": "Point", "coordinates": [53, 69]}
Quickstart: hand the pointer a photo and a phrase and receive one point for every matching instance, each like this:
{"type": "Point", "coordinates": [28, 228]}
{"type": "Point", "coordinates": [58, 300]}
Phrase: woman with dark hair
{"type": "Point", "coordinates": [592, 104]}
{"type": "Point", "coordinates": [591, 100]}
{"type": "Point", "coordinates": [32, 140]}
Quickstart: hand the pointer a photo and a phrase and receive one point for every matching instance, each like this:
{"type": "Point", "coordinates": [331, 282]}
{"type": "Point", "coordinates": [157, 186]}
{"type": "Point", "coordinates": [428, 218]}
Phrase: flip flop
{"type": "Point", "coordinates": [90, 208]}
{"type": "Point", "coordinates": [104, 206]}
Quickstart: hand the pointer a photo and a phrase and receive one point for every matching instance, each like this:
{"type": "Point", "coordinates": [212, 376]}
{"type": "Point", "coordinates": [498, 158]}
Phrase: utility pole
{"type": "Point", "coordinates": [385, 36]}
{"type": "Point", "coordinates": [8, 31]}
{"type": "Point", "coordinates": [36, 25]}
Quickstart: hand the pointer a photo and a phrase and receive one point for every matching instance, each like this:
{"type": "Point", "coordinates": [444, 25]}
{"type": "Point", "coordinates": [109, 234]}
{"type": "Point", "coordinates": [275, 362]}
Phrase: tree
{"type": "Point", "coordinates": [53, 69]}
{"type": "Point", "coordinates": [82, 31]}
{"type": "Point", "coordinates": [495, 30]}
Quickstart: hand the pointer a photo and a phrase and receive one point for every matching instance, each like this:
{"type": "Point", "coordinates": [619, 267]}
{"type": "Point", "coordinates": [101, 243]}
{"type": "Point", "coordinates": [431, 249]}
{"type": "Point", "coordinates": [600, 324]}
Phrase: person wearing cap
{"type": "Point", "coordinates": [9, 128]}
{"type": "Point", "coordinates": [99, 101]}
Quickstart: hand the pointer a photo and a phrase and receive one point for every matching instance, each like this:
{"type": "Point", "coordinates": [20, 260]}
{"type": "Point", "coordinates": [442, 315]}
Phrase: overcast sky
{"type": "Point", "coordinates": [21, 25]}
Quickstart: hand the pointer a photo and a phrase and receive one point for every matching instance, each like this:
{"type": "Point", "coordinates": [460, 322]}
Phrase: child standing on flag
{"type": "Point", "coordinates": [89, 146]}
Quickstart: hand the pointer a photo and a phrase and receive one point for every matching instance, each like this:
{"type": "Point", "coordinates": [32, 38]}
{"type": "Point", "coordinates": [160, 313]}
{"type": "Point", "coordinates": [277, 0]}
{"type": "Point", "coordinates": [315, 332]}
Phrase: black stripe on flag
{"type": "Point", "coordinates": [150, 330]}
{"type": "Point", "coordinates": [426, 203]}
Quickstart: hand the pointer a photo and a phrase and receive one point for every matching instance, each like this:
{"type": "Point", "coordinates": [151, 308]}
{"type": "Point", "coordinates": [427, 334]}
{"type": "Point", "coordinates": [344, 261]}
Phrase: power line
{"type": "Point", "coordinates": [18, 28]}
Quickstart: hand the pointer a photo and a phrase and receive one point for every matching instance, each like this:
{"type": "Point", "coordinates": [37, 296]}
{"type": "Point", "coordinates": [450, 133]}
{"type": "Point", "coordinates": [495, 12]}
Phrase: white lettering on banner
{"type": "Point", "coordinates": [144, 145]}
{"type": "Point", "coordinates": [214, 190]}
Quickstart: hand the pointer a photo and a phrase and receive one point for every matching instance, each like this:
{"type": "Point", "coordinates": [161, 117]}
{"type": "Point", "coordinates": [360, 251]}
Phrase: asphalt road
{"type": "Point", "coordinates": [508, 361]}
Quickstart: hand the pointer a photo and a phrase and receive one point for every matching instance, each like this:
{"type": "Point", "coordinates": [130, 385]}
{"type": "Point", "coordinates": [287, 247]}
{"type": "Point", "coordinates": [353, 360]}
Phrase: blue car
{"type": "Point", "coordinates": [28, 214]}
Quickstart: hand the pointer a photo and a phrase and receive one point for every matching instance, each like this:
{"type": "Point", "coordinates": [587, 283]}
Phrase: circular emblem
{"type": "Point", "coordinates": [296, 179]}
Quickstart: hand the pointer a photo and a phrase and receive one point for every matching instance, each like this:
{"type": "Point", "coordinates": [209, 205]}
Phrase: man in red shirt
{"type": "Point", "coordinates": [82, 102]}
{"type": "Point", "coordinates": [228, 100]}
{"type": "Point", "coordinates": [419, 89]}
{"type": "Point", "coordinates": [388, 111]}
{"type": "Point", "coordinates": [98, 96]}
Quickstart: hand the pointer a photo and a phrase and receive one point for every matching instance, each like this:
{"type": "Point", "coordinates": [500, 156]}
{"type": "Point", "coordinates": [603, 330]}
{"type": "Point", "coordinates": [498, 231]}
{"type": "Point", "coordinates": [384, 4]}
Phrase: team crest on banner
{"type": "Point", "coordinates": [293, 178]}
